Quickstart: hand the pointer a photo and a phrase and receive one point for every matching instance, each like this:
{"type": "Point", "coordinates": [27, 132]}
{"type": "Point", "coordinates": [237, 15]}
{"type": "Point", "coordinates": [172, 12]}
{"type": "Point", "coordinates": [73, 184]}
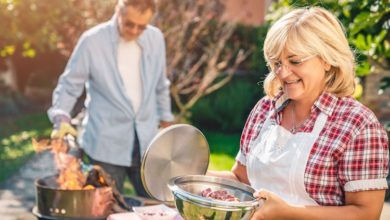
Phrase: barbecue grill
{"type": "Point", "coordinates": [53, 203]}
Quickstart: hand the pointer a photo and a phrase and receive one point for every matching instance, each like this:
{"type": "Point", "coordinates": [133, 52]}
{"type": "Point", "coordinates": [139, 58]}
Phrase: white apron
{"type": "Point", "coordinates": [278, 161]}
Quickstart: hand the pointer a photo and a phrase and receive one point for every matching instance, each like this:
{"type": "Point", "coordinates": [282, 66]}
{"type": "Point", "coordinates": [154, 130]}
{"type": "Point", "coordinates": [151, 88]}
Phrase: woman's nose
{"type": "Point", "coordinates": [283, 70]}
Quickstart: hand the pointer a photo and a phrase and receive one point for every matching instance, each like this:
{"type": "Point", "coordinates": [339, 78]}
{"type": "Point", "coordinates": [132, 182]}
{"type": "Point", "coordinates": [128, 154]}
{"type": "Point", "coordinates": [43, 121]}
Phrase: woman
{"type": "Point", "coordinates": [311, 150]}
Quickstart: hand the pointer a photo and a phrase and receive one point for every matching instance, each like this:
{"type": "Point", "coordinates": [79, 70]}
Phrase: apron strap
{"type": "Point", "coordinates": [266, 123]}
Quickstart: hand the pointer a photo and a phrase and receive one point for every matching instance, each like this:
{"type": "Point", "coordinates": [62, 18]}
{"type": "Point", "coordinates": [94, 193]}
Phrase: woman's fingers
{"type": "Point", "coordinates": [261, 194]}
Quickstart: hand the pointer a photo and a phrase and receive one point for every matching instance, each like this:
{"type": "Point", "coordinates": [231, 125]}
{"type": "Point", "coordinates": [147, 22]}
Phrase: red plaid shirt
{"type": "Point", "coordinates": [350, 154]}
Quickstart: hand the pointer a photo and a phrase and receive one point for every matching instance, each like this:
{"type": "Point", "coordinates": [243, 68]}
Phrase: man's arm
{"type": "Point", "coordinates": [70, 85]}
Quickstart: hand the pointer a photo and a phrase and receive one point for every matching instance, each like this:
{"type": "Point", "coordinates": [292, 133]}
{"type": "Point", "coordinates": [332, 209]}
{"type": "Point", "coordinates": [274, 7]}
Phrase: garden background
{"type": "Point", "coordinates": [215, 64]}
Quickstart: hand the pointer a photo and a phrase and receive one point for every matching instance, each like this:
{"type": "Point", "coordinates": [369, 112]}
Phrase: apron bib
{"type": "Point", "coordinates": [278, 161]}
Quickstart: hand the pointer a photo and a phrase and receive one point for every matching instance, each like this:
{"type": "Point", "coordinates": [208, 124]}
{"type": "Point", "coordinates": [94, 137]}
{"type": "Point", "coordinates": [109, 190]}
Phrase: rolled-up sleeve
{"type": "Point", "coordinates": [364, 165]}
{"type": "Point", "coordinates": [72, 82]}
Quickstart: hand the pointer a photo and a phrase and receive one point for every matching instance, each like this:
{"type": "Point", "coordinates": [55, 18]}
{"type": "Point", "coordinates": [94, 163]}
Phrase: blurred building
{"type": "Point", "coordinates": [248, 12]}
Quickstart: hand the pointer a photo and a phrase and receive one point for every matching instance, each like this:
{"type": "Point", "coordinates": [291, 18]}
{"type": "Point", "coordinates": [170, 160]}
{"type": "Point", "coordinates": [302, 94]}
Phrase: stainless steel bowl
{"type": "Point", "coordinates": [192, 206]}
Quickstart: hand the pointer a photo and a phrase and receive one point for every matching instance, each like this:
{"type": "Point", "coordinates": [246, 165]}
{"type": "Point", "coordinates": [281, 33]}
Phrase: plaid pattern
{"type": "Point", "coordinates": [351, 153]}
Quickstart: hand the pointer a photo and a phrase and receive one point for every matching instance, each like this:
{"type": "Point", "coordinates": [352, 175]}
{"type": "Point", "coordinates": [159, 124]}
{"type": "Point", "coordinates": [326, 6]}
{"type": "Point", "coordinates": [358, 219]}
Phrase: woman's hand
{"type": "Point", "coordinates": [273, 206]}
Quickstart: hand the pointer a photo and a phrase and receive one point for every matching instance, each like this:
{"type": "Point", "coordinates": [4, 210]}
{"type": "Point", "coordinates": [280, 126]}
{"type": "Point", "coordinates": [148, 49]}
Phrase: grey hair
{"type": "Point", "coordinates": [141, 5]}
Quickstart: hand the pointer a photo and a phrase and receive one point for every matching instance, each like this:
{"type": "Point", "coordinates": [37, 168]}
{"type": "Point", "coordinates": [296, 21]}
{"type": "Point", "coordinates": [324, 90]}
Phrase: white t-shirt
{"type": "Point", "coordinates": [129, 58]}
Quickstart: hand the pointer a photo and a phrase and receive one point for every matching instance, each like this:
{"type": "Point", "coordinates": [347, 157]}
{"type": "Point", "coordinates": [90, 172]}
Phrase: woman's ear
{"type": "Point", "coordinates": [327, 66]}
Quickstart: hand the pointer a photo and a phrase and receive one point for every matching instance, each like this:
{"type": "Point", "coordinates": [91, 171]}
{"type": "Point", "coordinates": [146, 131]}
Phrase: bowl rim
{"type": "Point", "coordinates": [177, 191]}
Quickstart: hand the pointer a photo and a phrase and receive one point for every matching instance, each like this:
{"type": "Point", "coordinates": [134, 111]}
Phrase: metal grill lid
{"type": "Point", "coordinates": [177, 150]}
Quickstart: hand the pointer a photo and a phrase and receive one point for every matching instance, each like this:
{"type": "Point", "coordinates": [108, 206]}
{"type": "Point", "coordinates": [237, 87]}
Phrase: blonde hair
{"type": "Point", "coordinates": [312, 31]}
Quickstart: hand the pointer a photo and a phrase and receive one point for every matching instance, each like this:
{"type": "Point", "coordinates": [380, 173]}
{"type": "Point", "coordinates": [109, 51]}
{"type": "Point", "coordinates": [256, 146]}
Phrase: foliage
{"type": "Point", "coordinates": [33, 30]}
{"type": "Point", "coordinates": [367, 23]}
{"type": "Point", "coordinates": [227, 109]}
{"type": "Point", "coordinates": [15, 140]}
{"type": "Point", "coordinates": [202, 55]}
{"type": "Point", "coordinates": [253, 37]}
{"type": "Point", "coordinates": [223, 149]}
{"type": "Point", "coordinates": [36, 25]}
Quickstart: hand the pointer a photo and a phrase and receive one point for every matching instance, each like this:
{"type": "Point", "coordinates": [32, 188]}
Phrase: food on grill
{"type": "Point", "coordinates": [222, 195]}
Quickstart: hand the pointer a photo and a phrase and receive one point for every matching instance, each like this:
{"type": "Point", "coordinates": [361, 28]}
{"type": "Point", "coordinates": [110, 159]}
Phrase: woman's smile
{"type": "Point", "coordinates": [292, 82]}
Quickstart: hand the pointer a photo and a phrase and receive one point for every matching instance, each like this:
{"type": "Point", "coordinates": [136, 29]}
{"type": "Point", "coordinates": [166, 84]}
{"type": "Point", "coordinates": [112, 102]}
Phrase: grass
{"type": "Point", "coordinates": [223, 149]}
{"type": "Point", "coordinates": [15, 140]}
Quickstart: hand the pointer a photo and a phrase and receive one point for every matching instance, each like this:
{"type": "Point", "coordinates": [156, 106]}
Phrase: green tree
{"type": "Point", "coordinates": [202, 54]}
{"type": "Point", "coordinates": [34, 27]}
{"type": "Point", "coordinates": [47, 25]}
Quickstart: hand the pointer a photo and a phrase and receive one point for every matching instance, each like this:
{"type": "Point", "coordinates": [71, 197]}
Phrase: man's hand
{"type": "Point", "coordinates": [62, 130]}
{"type": "Point", "coordinates": [164, 124]}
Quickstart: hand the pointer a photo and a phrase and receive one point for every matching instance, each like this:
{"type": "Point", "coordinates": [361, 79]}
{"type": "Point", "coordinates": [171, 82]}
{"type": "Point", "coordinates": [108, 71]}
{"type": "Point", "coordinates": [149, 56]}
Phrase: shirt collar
{"type": "Point", "coordinates": [280, 101]}
{"type": "Point", "coordinates": [326, 102]}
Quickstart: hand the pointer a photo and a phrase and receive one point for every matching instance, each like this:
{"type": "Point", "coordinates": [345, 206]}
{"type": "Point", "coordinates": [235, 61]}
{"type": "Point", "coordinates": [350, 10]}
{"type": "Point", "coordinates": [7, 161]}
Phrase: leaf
{"type": "Point", "coordinates": [30, 53]}
{"type": "Point", "coordinates": [7, 51]}
{"type": "Point", "coordinates": [363, 4]}
{"type": "Point", "coordinates": [359, 22]}
{"type": "Point", "coordinates": [363, 69]}
{"type": "Point", "coordinates": [10, 49]}
{"type": "Point", "coordinates": [379, 38]}
{"type": "Point", "coordinates": [365, 20]}
{"type": "Point", "coordinates": [360, 42]}
{"type": "Point", "coordinates": [386, 48]}
{"type": "Point", "coordinates": [26, 45]}
{"type": "Point", "coordinates": [368, 39]}
{"type": "Point", "coordinates": [347, 12]}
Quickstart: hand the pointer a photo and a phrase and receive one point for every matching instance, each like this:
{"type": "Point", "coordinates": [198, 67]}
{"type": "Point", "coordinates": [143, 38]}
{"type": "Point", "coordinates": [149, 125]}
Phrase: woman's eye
{"type": "Point", "coordinates": [295, 62]}
{"type": "Point", "coordinates": [277, 64]}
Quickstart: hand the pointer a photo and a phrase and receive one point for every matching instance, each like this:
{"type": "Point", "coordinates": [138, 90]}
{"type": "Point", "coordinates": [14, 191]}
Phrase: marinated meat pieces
{"type": "Point", "coordinates": [222, 195]}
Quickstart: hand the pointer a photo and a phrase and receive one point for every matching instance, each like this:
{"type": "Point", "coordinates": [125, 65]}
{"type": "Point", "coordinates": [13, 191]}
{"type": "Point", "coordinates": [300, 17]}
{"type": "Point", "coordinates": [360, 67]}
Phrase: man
{"type": "Point", "coordinates": [121, 64]}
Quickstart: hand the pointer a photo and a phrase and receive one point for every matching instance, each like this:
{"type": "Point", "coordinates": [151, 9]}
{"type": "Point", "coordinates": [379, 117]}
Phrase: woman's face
{"type": "Point", "coordinates": [302, 77]}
